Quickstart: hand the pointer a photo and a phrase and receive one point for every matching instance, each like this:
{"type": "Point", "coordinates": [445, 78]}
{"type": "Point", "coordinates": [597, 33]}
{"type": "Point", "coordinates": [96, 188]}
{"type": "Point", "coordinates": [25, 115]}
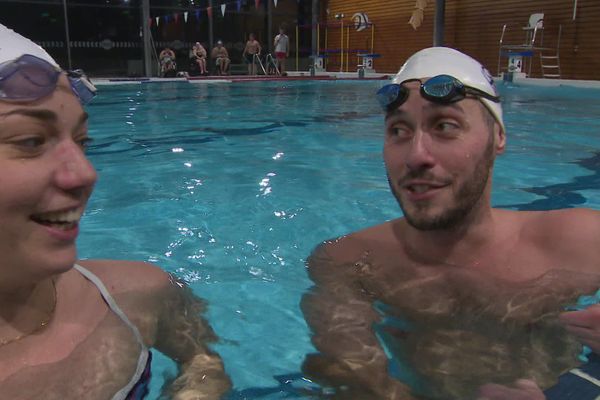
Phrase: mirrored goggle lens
{"type": "Point", "coordinates": [443, 88]}
{"type": "Point", "coordinates": [391, 95]}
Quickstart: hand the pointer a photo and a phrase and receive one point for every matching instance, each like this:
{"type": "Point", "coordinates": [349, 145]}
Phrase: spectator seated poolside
{"type": "Point", "coordinates": [220, 57]}
{"type": "Point", "coordinates": [168, 64]}
{"type": "Point", "coordinates": [197, 60]}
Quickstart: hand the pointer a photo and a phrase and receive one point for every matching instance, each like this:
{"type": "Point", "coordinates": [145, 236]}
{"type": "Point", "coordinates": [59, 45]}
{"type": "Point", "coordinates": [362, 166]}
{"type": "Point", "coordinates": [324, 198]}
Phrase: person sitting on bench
{"type": "Point", "coordinates": [198, 59]}
{"type": "Point", "coordinates": [221, 57]}
{"type": "Point", "coordinates": [168, 66]}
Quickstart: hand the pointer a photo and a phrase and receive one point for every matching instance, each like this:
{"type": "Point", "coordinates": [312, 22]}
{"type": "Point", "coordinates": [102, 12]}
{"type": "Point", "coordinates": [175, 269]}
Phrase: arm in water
{"type": "Point", "coordinates": [183, 335]}
{"type": "Point", "coordinates": [340, 314]}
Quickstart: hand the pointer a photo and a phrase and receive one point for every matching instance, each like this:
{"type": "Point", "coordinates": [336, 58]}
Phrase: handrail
{"type": "Point", "coordinates": [500, 49]}
{"type": "Point", "coordinates": [502, 36]}
{"type": "Point", "coordinates": [257, 58]}
{"type": "Point", "coordinates": [535, 29]}
{"type": "Point", "coordinates": [271, 61]}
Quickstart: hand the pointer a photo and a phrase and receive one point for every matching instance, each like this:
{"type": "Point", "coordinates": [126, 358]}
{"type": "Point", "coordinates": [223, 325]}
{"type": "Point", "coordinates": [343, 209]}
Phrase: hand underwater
{"type": "Point", "coordinates": [524, 389]}
{"type": "Point", "coordinates": [584, 325]}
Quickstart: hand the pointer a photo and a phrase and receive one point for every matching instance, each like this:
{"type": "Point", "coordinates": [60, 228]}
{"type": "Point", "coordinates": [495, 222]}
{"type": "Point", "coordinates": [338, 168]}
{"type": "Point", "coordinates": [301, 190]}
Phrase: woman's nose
{"type": "Point", "coordinates": [74, 170]}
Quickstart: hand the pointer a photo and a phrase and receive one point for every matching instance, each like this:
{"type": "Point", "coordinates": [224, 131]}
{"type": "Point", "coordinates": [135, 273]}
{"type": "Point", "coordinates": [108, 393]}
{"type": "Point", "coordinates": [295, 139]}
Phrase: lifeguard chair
{"type": "Point", "coordinates": [520, 56]}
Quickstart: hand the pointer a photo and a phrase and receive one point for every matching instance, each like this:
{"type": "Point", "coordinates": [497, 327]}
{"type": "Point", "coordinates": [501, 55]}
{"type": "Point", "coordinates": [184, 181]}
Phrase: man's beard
{"type": "Point", "coordinates": [469, 194]}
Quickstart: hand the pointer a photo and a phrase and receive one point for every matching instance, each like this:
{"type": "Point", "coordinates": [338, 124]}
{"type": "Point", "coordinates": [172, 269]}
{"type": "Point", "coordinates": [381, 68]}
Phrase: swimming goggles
{"type": "Point", "coordinates": [30, 78]}
{"type": "Point", "coordinates": [441, 89]}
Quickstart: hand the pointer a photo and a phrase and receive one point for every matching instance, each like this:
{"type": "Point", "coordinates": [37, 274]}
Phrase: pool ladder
{"type": "Point", "coordinates": [551, 63]}
{"type": "Point", "coordinates": [550, 66]}
{"type": "Point", "coordinates": [269, 62]}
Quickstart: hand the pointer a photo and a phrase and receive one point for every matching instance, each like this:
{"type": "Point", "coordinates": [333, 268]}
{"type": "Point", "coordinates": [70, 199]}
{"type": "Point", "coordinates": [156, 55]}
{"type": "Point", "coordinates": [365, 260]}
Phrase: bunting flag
{"type": "Point", "coordinates": [209, 11]}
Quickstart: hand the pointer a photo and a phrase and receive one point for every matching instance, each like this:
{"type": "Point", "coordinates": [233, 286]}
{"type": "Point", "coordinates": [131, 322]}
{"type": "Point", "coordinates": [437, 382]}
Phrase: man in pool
{"type": "Point", "coordinates": [456, 300]}
{"type": "Point", "coordinates": [74, 329]}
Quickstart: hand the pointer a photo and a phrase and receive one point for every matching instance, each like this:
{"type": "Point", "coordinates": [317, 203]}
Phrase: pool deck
{"type": "Point", "coordinates": [292, 76]}
{"type": "Point", "coordinates": [556, 82]}
{"type": "Point", "coordinates": [327, 76]}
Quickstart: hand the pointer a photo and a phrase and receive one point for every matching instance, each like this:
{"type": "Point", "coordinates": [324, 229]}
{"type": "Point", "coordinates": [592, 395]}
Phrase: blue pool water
{"type": "Point", "coordinates": [230, 186]}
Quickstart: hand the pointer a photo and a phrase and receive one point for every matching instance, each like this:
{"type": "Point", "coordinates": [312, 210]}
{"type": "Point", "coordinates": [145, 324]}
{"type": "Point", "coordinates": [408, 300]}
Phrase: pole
{"type": "Point", "coordinates": [438, 28]}
{"type": "Point", "coordinates": [296, 47]}
{"type": "Point", "coordinates": [342, 46]}
{"type": "Point", "coordinates": [270, 25]}
{"type": "Point", "coordinates": [315, 29]}
{"type": "Point", "coordinates": [67, 34]}
{"type": "Point", "coordinates": [372, 37]}
{"type": "Point", "coordinates": [347, 47]}
{"type": "Point", "coordinates": [326, 46]}
{"type": "Point", "coordinates": [318, 39]}
{"type": "Point", "coordinates": [211, 35]}
{"type": "Point", "coordinates": [146, 38]}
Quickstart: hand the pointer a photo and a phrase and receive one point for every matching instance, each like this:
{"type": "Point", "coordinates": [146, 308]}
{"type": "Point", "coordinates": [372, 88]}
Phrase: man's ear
{"type": "Point", "coordinates": [499, 138]}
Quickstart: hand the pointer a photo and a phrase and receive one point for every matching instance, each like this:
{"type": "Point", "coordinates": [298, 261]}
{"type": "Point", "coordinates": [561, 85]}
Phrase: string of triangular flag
{"type": "Point", "coordinates": [198, 12]}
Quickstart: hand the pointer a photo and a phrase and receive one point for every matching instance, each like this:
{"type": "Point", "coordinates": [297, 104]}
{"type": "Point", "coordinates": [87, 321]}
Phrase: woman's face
{"type": "Point", "coordinates": [45, 182]}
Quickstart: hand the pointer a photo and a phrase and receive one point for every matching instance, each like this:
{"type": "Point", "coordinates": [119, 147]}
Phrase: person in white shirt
{"type": "Point", "coordinates": [282, 49]}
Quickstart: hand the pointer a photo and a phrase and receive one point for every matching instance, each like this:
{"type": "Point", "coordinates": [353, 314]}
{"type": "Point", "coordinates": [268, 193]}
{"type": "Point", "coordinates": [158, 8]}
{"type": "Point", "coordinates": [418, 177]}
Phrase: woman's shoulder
{"type": "Point", "coordinates": [124, 276]}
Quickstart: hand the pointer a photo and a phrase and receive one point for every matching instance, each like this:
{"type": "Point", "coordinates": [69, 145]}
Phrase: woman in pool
{"type": "Point", "coordinates": [76, 329]}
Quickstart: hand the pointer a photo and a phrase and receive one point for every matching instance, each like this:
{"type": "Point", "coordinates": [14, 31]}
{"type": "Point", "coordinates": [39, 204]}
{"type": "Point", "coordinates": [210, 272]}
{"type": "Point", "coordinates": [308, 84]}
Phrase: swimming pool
{"type": "Point", "coordinates": [230, 186]}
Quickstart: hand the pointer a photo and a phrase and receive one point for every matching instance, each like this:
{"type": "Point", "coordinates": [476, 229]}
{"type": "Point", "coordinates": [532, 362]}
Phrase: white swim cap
{"type": "Point", "coordinates": [434, 61]}
{"type": "Point", "coordinates": [13, 46]}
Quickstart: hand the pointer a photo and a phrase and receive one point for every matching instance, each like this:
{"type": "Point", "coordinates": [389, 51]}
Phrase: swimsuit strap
{"type": "Point", "coordinates": [110, 301]}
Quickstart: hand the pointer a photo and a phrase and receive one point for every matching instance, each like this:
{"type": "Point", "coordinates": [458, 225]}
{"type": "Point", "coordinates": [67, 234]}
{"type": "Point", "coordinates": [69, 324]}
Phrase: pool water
{"type": "Point", "coordinates": [230, 186]}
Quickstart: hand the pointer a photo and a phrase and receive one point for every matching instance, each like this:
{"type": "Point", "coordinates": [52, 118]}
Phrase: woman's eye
{"type": "Point", "coordinates": [30, 143]}
{"type": "Point", "coordinates": [84, 142]}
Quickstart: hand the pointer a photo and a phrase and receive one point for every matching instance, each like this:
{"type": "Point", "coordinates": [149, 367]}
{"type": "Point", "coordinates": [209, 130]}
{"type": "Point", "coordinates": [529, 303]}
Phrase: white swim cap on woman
{"type": "Point", "coordinates": [13, 46]}
{"type": "Point", "coordinates": [434, 61]}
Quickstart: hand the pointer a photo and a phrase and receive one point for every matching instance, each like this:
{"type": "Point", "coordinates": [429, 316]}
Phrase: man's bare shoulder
{"type": "Point", "coordinates": [570, 235]}
{"type": "Point", "coordinates": [350, 248]}
{"type": "Point", "coordinates": [570, 225]}
{"type": "Point", "coordinates": [121, 276]}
